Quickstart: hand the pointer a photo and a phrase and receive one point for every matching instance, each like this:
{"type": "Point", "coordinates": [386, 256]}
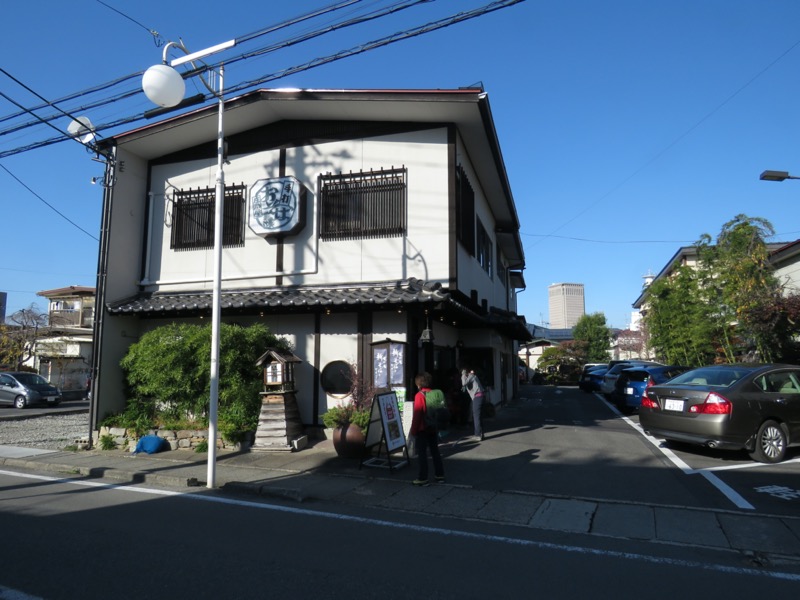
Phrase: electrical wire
{"type": "Point", "coordinates": [50, 206]}
{"type": "Point", "coordinates": [137, 75]}
{"type": "Point", "coordinates": [314, 63]}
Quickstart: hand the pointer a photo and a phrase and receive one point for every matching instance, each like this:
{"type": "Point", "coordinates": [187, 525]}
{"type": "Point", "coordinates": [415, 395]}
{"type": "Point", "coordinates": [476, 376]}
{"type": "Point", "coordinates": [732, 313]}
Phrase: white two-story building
{"type": "Point", "coordinates": [358, 225]}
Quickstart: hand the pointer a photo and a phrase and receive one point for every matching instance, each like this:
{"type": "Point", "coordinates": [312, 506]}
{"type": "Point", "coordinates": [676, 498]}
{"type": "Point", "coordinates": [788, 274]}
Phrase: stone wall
{"type": "Point", "coordinates": [182, 439]}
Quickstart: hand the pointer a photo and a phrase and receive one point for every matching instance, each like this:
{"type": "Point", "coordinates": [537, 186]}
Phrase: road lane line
{"type": "Point", "coordinates": [726, 490]}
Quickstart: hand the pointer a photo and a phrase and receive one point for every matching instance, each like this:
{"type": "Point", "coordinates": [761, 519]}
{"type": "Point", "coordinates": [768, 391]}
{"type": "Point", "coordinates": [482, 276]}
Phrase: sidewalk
{"type": "Point", "coordinates": [316, 473]}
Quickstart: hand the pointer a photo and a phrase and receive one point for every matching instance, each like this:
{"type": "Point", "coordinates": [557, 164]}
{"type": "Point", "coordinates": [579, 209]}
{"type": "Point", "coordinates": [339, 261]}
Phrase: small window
{"type": "Point", "coordinates": [363, 205]}
{"type": "Point", "coordinates": [193, 218]}
{"type": "Point", "coordinates": [484, 248]}
{"type": "Point", "coordinates": [501, 267]}
{"type": "Point", "coordinates": [336, 378]}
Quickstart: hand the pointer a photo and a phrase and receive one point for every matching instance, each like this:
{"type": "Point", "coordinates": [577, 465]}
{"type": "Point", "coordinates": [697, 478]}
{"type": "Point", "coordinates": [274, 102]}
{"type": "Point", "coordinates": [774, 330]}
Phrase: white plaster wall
{"type": "Point", "coordinates": [125, 251]}
{"type": "Point", "coordinates": [422, 253]}
{"type": "Point", "coordinates": [789, 278]}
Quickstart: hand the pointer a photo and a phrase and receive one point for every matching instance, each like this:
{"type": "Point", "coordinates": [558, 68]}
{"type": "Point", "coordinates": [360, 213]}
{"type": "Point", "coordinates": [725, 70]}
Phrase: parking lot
{"type": "Point", "coordinates": [746, 484]}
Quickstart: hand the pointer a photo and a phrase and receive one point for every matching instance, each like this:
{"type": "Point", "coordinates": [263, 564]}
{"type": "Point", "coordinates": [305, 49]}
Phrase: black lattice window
{"type": "Point", "coordinates": [193, 218]}
{"type": "Point", "coordinates": [363, 205]}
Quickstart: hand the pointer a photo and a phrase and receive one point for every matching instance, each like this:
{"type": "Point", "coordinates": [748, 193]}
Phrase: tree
{"type": "Point", "coordinates": [562, 363]}
{"type": "Point", "coordinates": [593, 331]}
{"type": "Point", "coordinates": [168, 374]}
{"type": "Point", "coordinates": [727, 307]}
{"type": "Point", "coordinates": [738, 277]}
{"type": "Point", "coordinates": [776, 321]}
{"type": "Point", "coordinates": [19, 335]}
{"type": "Point", "coordinates": [679, 320]}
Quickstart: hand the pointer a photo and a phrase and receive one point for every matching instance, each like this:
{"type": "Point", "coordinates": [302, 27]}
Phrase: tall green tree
{"type": "Point", "coordinates": [737, 278]}
{"type": "Point", "coordinates": [727, 307]}
{"type": "Point", "coordinates": [679, 320]}
{"type": "Point", "coordinates": [596, 336]}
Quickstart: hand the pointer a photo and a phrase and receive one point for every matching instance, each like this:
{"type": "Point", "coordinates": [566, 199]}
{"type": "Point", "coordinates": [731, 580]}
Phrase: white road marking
{"type": "Point", "coordinates": [646, 558]}
{"type": "Point", "coordinates": [723, 487]}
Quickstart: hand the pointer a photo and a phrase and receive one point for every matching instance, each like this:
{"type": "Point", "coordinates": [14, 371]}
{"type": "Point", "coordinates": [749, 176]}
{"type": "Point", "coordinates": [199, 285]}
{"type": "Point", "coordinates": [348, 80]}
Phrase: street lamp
{"type": "Point", "coordinates": [164, 86]}
{"type": "Point", "coordinates": [776, 176]}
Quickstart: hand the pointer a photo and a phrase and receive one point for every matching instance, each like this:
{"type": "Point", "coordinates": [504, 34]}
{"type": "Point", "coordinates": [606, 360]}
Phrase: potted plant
{"type": "Point", "coordinates": [349, 420]}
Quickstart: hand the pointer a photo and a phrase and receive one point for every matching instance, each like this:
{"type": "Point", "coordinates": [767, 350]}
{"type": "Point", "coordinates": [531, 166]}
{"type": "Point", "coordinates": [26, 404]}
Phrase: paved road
{"type": "Point", "coordinates": [133, 542]}
{"type": "Point", "coordinates": [10, 413]}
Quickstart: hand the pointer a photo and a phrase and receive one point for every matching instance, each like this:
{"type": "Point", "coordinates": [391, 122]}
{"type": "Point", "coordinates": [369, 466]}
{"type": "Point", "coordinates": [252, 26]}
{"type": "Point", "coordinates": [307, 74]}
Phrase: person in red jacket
{"type": "Point", "coordinates": [427, 438]}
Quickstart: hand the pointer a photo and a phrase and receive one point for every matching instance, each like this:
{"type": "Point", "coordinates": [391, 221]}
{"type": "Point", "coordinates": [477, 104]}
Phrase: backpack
{"type": "Point", "coordinates": [436, 414]}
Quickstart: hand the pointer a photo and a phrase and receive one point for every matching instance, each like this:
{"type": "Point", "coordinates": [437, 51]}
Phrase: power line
{"type": "Point", "coordinates": [50, 206]}
{"type": "Point", "coordinates": [159, 41]}
{"type": "Point", "coordinates": [317, 62]}
{"type": "Point", "coordinates": [137, 75]}
{"type": "Point", "coordinates": [679, 138]}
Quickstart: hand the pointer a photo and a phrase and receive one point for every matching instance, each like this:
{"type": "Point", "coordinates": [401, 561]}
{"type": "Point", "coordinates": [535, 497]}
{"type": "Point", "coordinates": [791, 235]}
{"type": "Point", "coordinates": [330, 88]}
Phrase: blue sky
{"type": "Point", "coordinates": [628, 128]}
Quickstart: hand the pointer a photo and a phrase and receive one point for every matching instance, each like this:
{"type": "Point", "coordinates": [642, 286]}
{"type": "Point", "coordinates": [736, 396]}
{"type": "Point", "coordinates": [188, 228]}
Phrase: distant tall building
{"type": "Point", "coordinates": [567, 305]}
{"type": "Point", "coordinates": [3, 300]}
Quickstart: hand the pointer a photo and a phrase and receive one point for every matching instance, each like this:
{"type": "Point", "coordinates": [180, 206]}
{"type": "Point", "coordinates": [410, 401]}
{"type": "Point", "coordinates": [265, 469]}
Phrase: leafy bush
{"type": "Point", "coordinates": [107, 442]}
{"type": "Point", "coordinates": [168, 374]}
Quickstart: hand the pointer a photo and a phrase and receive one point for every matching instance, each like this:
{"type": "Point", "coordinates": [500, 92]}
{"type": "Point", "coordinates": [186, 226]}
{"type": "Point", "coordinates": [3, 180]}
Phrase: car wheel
{"type": "Point", "coordinates": [19, 402]}
{"type": "Point", "coordinates": [770, 443]}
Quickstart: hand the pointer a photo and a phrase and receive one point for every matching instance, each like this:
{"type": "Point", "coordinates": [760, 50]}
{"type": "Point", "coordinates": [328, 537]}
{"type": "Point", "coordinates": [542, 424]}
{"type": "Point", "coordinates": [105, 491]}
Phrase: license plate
{"type": "Point", "coordinates": [51, 398]}
{"type": "Point", "coordinates": [629, 391]}
{"type": "Point", "coordinates": [676, 405]}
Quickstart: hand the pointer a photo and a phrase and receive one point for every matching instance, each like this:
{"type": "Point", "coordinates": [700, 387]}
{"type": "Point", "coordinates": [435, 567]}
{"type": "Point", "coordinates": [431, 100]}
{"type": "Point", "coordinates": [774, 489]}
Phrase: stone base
{"type": "Point", "coordinates": [279, 424]}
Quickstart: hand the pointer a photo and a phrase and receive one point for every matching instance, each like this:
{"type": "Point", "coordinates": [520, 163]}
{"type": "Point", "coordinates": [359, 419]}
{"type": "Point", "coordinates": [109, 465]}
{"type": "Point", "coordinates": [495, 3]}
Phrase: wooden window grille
{"type": "Point", "coordinates": [193, 218]}
{"type": "Point", "coordinates": [363, 205]}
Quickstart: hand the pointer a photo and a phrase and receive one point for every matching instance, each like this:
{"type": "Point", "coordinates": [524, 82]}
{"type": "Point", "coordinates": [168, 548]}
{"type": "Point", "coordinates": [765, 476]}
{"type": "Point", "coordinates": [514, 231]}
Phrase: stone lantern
{"type": "Point", "coordinates": [279, 424]}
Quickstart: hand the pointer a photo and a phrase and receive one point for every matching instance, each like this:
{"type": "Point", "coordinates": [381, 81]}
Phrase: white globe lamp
{"type": "Point", "coordinates": [163, 85]}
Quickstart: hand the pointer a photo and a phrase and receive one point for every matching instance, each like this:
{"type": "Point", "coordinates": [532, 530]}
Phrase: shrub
{"type": "Point", "coordinates": [168, 375]}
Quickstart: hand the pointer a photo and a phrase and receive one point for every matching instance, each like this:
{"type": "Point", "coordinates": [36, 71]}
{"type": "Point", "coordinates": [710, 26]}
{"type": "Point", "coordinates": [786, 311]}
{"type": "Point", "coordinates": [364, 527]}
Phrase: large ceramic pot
{"type": "Point", "coordinates": [348, 441]}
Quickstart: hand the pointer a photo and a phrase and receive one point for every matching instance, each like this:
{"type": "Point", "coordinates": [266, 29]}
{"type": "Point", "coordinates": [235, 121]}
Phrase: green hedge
{"type": "Point", "coordinates": [168, 376]}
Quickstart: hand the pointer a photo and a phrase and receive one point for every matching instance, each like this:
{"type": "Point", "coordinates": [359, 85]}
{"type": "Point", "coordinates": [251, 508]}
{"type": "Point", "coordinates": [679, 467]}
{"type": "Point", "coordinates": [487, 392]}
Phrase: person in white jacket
{"type": "Point", "coordinates": [472, 385]}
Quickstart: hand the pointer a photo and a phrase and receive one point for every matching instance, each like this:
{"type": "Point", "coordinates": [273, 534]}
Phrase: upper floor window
{"type": "Point", "coordinates": [193, 218]}
{"type": "Point", "coordinates": [484, 249]}
{"type": "Point", "coordinates": [501, 267]}
{"type": "Point", "coordinates": [465, 211]}
{"type": "Point", "coordinates": [368, 204]}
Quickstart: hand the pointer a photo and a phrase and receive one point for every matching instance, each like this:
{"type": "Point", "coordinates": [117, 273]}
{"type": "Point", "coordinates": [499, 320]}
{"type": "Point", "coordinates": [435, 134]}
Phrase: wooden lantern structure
{"type": "Point", "coordinates": [279, 424]}
{"type": "Point", "coordinates": [278, 370]}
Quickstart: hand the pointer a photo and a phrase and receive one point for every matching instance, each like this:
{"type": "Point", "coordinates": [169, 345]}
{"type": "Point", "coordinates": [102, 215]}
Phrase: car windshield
{"type": "Point", "coordinates": [31, 379]}
{"type": "Point", "coordinates": [711, 376]}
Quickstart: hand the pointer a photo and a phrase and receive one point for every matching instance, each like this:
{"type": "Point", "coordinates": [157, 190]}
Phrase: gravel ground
{"type": "Point", "coordinates": [50, 433]}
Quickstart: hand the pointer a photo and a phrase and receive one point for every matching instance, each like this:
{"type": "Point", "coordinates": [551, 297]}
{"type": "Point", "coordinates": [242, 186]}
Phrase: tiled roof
{"type": "Point", "coordinates": [394, 293]}
{"type": "Point", "coordinates": [313, 299]}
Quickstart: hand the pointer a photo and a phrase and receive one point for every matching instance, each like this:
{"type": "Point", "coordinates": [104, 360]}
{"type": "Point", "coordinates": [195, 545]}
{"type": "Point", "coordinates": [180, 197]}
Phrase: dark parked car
{"type": "Point", "coordinates": [608, 385]}
{"type": "Point", "coordinates": [24, 389]}
{"type": "Point", "coordinates": [592, 378]}
{"type": "Point", "coordinates": [751, 407]}
{"type": "Point", "coordinates": [632, 383]}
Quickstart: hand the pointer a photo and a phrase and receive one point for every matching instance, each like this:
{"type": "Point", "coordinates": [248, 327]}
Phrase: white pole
{"type": "Point", "coordinates": [215, 309]}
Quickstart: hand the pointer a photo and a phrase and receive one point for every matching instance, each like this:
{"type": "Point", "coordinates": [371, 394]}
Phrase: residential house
{"type": "Point", "coordinates": [542, 338]}
{"type": "Point", "coordinates": [63, 351]}
{"type": "Point", "coordinates": [359, 225]}
{"type": "Point", "coordinates": [786, 261]}
{"type": "Point", "coordinates": [783, 257]}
